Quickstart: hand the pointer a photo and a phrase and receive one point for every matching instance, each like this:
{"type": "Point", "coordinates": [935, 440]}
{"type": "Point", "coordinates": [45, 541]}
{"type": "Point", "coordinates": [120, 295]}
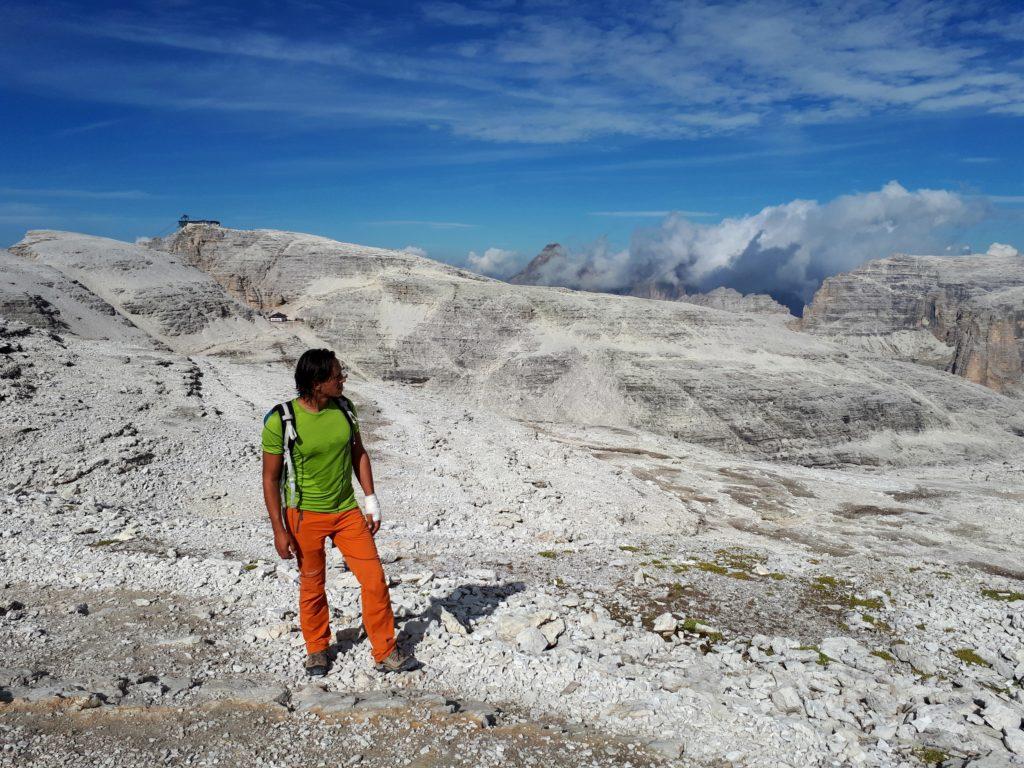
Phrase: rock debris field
{"type": "Point", "coordinates": [579, 595]}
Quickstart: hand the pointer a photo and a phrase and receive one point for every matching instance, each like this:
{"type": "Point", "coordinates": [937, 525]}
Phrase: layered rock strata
{"type": "Point", "coordinates": [962, 314]}
{"type": "Point", "coordinates": [166, 299]}
{"type": "Point", "coordinates": [723, 379]}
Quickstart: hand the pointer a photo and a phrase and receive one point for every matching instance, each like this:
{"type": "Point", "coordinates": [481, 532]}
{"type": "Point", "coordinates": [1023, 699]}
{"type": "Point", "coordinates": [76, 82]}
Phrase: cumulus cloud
{"type": "Point", "coordinates": [1002, 249]}
{"type": "Point", "coordinates": [496, 262]}
{"type": "Point", "coordinates": [415, 250]}
{"type": "Point", "coordinates": [784, 250]}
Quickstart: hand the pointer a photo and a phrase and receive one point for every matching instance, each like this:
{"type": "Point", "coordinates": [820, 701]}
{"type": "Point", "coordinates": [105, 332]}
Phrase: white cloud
{"type": "Point", "coordinates": [459, 15]}
{"type": "Point", "coordinates": [649, 214]}
{"type": "Point", "coordinates": [783, 249]}
{"type": "Point", "coordinates": [83, 194]}
{"type": "Point", "coordinates": [1002, 249]}
{"type": "Point", "coordinates": [94, 126]}
{"type": "Point", "coordinates": [23, 214]}
{"type": "Point", "coordinates": [537, 74]}
{"type": "Point", "coordinates": [415, 250]}
{"type": "Point", "coordinates": [496, 262]}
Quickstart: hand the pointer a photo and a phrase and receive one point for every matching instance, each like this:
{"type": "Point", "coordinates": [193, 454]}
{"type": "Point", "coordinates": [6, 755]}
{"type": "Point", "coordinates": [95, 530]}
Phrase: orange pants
{"type": "Point", "coordinates": [350, 534]}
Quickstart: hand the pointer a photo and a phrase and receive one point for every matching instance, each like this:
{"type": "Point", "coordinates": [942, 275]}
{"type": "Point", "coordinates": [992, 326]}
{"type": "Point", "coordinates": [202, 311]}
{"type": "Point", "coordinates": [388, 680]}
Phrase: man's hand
{"type": "Point", "coordinates": [372, 514]}
{"type": "Point", "coordinates": [285, 545]}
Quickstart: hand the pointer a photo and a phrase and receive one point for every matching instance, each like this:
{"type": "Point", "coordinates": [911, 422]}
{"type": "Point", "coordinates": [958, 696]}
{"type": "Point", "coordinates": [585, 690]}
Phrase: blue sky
{"type": "Point", "coordinates": [501, 126]}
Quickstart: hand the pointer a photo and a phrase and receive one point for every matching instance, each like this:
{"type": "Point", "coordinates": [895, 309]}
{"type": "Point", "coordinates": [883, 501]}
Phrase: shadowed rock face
{"type": "Point", "coordinates": [719, 378]}
{"type": "Point", "coordinates": [973, 305]}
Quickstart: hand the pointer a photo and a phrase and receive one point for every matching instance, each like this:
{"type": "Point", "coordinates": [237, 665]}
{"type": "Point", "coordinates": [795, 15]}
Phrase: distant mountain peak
{"type": "Point", "coordinates": [534, 272]}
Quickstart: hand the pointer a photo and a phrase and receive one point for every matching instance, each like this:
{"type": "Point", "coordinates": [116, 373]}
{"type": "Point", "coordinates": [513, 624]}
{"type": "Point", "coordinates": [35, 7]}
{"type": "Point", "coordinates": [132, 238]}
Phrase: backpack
{"type": "Point", "coordinates": [289, 436]}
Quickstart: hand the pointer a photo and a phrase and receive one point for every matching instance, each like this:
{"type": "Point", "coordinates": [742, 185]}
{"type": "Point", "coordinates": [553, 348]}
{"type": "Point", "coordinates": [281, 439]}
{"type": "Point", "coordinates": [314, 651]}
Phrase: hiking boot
{"type": "Point", "coordinates": [398, 662]}
{"type": "Point", "coordinates": [316, 664]}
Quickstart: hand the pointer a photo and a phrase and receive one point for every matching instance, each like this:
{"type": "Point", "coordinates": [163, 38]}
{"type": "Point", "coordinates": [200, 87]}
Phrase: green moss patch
{"type": "Point", "coordinates": [931, 755]}
{"type": "Point", "coordinates": [694, 626]}
{"type": "Point", "coordinates": [970, 656]}
{"type": "Point", "coordinates": [873, 603]}
{"type": "Point", "coordinates": [884, 656]}
{"type": "Point", "coordinates": [551, 555]}
{"type": "Point", "coordinates": [723, 570]}
{"type": "Point", "coordinates": [1002, 594]}
{"type": "Point", "coordinates": [823, 659]}
{"type": "Point", "coordinates": [828, 583]}
{"type": "Point", "coordinates": [740, 559]}
{"type": "Point", "coordinates": [836, 590]}
{"type": "Point", "coordinates": [876, 623]}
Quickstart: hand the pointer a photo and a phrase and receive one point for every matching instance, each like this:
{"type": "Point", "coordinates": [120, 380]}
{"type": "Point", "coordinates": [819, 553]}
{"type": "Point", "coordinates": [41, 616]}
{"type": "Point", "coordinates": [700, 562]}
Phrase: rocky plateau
{"type": "Point", "coordinates": [618, 531]}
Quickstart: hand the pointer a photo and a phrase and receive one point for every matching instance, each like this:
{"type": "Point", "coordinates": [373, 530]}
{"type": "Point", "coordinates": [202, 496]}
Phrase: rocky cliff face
{"type": "Point", "coordinates": [547, 354]}
{"type": "Point", "coordinates": [963, 314]}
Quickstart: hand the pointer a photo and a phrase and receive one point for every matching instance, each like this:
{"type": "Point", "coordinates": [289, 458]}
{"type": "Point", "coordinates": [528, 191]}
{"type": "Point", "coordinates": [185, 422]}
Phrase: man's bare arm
{"type": "Point", "coordinates": [364, 473]}
{"type": "Point", "coordinates": [272, 465]}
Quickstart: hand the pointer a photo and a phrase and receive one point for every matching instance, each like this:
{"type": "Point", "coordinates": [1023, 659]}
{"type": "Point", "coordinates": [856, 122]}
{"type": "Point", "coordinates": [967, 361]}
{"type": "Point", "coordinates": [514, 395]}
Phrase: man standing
{"type": "Point", "coordinates": [313, 443]}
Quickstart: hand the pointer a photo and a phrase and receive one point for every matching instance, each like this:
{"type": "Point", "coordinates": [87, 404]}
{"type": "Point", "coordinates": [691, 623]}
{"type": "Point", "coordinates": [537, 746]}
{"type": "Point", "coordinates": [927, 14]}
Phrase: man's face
{"type": "Point", "coordinates": [335, 384]}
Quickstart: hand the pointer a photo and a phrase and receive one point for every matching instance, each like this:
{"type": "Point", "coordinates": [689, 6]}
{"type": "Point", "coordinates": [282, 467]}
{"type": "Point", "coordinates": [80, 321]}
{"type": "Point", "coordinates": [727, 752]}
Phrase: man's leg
{"type": "Point", "coordinates": [355, 542]}
{"type": "Point", "coordinates": [314, 616]}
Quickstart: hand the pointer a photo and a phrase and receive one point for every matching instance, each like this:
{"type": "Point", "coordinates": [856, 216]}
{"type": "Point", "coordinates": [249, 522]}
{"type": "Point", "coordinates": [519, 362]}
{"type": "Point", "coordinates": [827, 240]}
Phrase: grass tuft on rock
{"type": "Point", "coordinates": [970, 656]}
{"type": "Point", "coordinates": [823, 659]}
{"type": "Point", "coordinates": [873, 603]}
{"type": "Point", "coordinates": [931, 755]}
{"type": "Point", "coordinates": [1002, 594]}
{"type": "Point", "coordinates": [828, 583]}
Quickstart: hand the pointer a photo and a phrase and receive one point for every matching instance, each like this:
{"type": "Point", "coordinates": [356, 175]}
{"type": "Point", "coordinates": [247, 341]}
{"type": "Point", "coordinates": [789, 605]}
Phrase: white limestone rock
{"type": "Point", "coordinates": [787, 700]}
{"type": "Point", "coordinates": [451, 624]}
{"type": "Point", "coordinates": [531, 640]}
{"type": "Point", "coordinates": [665, 623]}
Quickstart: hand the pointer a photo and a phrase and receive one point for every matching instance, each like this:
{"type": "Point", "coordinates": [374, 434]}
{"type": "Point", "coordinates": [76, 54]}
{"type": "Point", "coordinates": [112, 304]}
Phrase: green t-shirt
{"type": "Point", "coordinates": [322, 457]}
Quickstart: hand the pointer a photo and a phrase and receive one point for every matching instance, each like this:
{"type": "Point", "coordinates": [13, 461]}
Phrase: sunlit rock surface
{"type": "Point", "coordinates": [964, 314]}
{"type": "Point", "coordinates": [723, 379]}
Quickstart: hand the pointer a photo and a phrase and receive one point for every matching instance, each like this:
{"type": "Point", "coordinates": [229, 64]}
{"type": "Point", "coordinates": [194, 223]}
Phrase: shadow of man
{"type": "Point", "coordinates": [467, 602]}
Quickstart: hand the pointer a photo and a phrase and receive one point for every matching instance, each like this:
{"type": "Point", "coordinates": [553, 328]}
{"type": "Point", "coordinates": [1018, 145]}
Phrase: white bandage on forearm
{"type": "Point", "coordinates": [373, 506]}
